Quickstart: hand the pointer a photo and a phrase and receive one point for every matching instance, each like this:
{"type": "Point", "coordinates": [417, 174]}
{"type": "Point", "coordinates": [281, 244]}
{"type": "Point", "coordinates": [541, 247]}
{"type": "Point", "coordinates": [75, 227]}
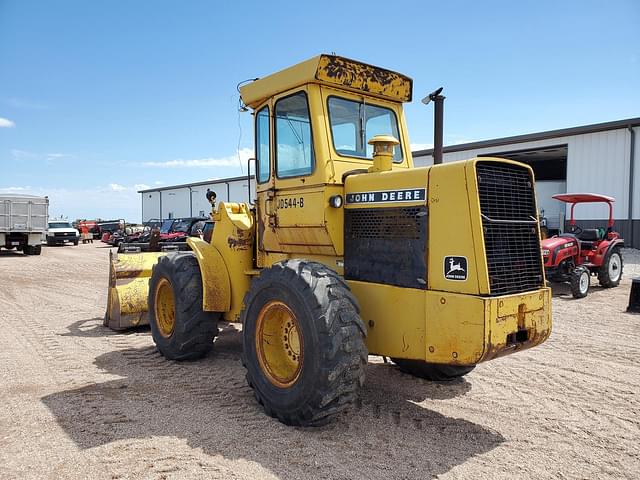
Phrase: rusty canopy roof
{"type": "Point", "coordinates": [333, 71]}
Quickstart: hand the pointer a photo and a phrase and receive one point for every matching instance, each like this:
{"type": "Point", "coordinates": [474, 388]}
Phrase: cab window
{"type": "Point", "coordinates": [354, 123]}
{"type": "Point", "coordinates": [294, 145]}
{"type": "Point", "coordinates": [262, 144]}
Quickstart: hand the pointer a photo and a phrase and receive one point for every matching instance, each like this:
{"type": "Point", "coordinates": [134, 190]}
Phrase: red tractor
{"type": "Point", "coordinates": [574, 256]}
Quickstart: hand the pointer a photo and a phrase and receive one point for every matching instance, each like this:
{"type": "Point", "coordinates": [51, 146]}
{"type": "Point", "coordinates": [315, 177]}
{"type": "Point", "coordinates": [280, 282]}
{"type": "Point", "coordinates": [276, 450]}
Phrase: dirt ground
{"type": "Point", "coordinates": [80, 401]}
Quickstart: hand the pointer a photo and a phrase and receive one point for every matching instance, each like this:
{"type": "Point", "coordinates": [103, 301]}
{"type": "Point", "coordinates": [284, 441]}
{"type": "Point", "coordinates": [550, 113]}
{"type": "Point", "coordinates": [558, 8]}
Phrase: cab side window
{"type": "Point", "coordinates": [263, 146]}
{"type": "Point", "coordinates": [294, 144]}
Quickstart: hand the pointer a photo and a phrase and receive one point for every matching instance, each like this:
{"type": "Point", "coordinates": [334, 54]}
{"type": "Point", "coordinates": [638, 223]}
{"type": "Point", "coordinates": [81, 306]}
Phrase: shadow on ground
{"type": "Point", "coordinates": [207, 403]}
{"type": "Point", "coordinates": [92, 327]}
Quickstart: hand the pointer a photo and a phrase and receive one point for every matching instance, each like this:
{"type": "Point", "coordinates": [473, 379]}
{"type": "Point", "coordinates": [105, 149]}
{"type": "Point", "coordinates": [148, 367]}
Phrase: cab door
{"type": "Point", "coordinates": [291, 202]}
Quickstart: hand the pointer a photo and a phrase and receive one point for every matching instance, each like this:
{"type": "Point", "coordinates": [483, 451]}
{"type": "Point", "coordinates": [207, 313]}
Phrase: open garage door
{"type": "Point", "coordinates": [550, 168]}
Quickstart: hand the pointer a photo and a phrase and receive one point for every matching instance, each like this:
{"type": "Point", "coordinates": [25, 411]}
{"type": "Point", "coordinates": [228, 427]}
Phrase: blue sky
{"type": "Point", "coordinates": [98, 99]}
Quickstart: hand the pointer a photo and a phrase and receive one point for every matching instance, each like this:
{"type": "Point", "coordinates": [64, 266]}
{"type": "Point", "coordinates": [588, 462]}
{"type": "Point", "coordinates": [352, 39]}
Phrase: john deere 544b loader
{"type": "Point", "coordinates": [349, 250]}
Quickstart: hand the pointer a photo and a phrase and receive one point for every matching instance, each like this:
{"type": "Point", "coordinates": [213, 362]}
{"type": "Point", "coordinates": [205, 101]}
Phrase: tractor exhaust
{"type": "Point", "coordinates": [438, 122]}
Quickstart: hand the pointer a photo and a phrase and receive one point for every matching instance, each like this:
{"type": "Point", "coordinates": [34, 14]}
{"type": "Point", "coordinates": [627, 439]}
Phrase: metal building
{"type": "Point", "coordinates": [189, 200]}
{"type": "Point", "coordinates": [601, 158]}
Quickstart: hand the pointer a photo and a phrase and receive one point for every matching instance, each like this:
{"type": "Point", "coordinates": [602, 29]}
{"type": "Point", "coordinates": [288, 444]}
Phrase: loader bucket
{"type": "Point", "coordinates": [129, 275]}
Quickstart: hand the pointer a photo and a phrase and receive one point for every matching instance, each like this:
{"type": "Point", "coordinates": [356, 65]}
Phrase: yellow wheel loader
{"type": "Point", "coordinates": [349, 250]}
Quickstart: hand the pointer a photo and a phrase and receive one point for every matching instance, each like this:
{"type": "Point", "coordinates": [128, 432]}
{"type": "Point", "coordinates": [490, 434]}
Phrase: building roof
{"type": "Point", "coordinates": [197, 184]}
{"type": "Point", "coordinates": [530, 137]}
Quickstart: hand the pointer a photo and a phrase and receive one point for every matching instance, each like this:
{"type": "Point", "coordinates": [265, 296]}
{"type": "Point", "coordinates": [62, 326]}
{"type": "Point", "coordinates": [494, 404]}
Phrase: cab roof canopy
{"type": "Point", "coordinates": [333, 71]}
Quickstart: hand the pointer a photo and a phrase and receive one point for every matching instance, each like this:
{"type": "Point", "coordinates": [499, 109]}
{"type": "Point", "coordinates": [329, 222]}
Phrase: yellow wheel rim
{"type": "Point", "coordinates": [165, 308]}
{"type": "Point", "coordinates": [279, 344]}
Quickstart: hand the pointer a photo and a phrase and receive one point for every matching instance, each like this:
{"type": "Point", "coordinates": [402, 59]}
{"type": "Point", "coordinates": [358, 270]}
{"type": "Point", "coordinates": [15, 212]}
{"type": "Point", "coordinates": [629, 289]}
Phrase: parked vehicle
{"type": "Point", "coordinates": [23, 221]}
{"type": "Point", "coordinates": [92, 226]}
{"type": "Point", "coordinates": [349, 250]}
{"type": "Point", "coordinates": [61, 232]}
{"type": "Point", "coordinates": [107, 227]}
{"type": "Point", "coordinates": [577, 255]}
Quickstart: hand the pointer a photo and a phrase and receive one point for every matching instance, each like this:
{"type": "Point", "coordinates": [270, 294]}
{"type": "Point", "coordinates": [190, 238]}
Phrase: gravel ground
{"type": "Point", "coordinates": [80, 401]}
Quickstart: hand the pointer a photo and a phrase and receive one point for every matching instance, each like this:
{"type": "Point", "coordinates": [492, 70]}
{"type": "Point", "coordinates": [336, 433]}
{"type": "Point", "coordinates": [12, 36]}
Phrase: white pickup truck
{"type": "Point", "coordinates": [23, 221]}
{"type": "Point", "coordinates": [62, 232]}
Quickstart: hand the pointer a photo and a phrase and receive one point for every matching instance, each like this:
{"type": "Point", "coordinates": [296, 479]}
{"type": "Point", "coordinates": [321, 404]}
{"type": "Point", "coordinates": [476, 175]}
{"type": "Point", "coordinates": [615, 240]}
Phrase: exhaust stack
{"type": "Point", "coordinates": [438, 122]}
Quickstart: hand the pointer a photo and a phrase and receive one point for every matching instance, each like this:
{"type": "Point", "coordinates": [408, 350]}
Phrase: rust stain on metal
{"type": "Point", "coordinates": [260, 227]}
{"type": "Point", "coordinates": [367, 78]}
{"type": "Point", "coordinates": [242, 240]}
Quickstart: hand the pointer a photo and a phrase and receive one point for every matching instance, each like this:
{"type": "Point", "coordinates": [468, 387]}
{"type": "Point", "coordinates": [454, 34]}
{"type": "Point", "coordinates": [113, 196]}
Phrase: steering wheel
{"type": "Point", "coordinates": [575, 229]}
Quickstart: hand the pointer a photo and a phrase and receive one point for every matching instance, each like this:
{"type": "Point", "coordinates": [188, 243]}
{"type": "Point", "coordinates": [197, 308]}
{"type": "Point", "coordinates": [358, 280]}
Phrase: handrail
{"type": "Point", "coordinates": [533, 220]}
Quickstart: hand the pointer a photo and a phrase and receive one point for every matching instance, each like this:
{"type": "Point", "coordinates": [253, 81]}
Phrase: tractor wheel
{"type": "Point", "coordinates": [180, 328]}
{"type": "Point", "coordinates": [431, 371]}
{"type": "Point", "coordinates": [303, 342]}
{"type": "Point", "coordinates": [610, 272]}
{"type": "Point", "coordinates": [579, 281]}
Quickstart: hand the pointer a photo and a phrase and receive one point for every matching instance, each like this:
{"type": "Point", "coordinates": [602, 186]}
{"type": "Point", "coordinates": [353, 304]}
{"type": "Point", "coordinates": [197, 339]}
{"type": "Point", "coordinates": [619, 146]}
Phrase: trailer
{"type": "Point", "coordinates": [23, 221]}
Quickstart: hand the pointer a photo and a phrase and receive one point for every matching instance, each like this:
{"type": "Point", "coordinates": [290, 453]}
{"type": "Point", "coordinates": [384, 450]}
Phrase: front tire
{"type": "Point", "coordinates": [432, 371]}
{"type": "Point", "coordinates": [180, 328]}
{"type": "Point", "coordinates": [303, 341]}
{"type": "Point", "coordinates": [610, 273]}
{"type": "Point", "coordinates": [579, 281]}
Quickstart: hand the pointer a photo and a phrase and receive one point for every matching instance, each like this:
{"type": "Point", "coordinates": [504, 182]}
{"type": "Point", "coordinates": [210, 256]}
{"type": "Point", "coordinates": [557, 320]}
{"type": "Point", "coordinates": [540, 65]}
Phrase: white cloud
{"type": "Point", "coordinates": [141, 186]}
{"type": "Point", "coordinates": [158, 182]}
{"type": "Point", "coordinates": [14, 189]}
{"type": "Point", "coordinates": [48, 157]}
{"type": "Point", "coordinates": [116, 187]}
{"type": "Point", "coordinates": [461, 141]}
{"type": "Point", "coordinates": [420, 146]}
{"type": "Point", "coordinates": [240, 158]}
{"type": "Point", "coordinates": [6, 123]}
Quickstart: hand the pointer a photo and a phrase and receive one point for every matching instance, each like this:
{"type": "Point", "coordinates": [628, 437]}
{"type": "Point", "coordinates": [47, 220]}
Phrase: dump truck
{"type": "Point", "coordinates": [23, 222]}
{"type": "Point", "coordinates": [348, 250]}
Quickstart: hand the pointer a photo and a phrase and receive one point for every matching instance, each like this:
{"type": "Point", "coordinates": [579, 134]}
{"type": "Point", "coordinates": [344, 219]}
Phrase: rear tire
{"type": "Point", "coordinates": [579, 281]}
{"type": "Point", "coordinates": [36, 249]}
{"type": "Point", "coordinates": [610, 273]}
{"type": "Point", "coordinates": [303, 342]}
{"type": "Point", "coordinates": [28, 250]}
{"type": "Point", "coordinates": [432, 371]}
{"type": "Point", "coordinates": [180, 328]}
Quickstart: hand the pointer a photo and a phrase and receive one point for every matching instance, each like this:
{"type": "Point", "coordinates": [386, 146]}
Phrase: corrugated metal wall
{"type": "Point", "coordinates": [596, 162]}
{"type": "Point", "coordinates": [175, 201]}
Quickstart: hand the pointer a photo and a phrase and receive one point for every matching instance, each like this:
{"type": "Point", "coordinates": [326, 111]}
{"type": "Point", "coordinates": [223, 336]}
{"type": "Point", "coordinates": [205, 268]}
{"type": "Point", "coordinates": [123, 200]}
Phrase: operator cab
{"type": "Point", "coordinates": [313, 126]}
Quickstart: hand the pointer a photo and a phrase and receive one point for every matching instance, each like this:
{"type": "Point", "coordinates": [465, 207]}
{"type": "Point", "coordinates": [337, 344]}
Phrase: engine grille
{"type": "Point", "coordinates": [509, 218]}
{"type": "Point", "coordinates": [386, 245]}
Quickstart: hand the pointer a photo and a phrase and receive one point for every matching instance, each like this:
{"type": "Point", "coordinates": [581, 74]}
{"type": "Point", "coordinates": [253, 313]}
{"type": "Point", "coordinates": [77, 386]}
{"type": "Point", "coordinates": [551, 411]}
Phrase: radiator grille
{"type": "Point", "coordinates": [507, 203]}
{"type": "Point", "coordinates": [389, 223]}
{"type": "Point", "coordinates": [386, 245]}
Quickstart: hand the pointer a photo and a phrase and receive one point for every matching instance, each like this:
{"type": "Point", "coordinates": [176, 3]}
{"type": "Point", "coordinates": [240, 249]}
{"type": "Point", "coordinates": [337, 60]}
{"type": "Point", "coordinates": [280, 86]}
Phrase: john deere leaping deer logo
{"type": "Point", "coordinates": [455, 268]}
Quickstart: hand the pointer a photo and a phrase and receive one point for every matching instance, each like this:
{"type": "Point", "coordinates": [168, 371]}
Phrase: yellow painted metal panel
{"type": "Point", "coordinates": [451, 231]}
{"type": "Point", "coordinates": [129, 288]}
{"type": "Point", "coordinates": [359, 76]}
{"type": "Point", "coordinates": [300, 207]}
{"type": "Point", "coordinates": [391, 182]}
{"type": "Point", "coordinates": [455, 328]}
{"type": "Point", "coordinates": [529, 312]}
{"type": "Point", "coordinates": [233, 237]}
{"type": "Point", "coordinates": [216, 289]}
{"type": "Point", "coordinates": [450, 328]}
{"type": "Point", "coordinates": [395, 319]}
{"type": "Point", "coordinates": [330, 70]}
